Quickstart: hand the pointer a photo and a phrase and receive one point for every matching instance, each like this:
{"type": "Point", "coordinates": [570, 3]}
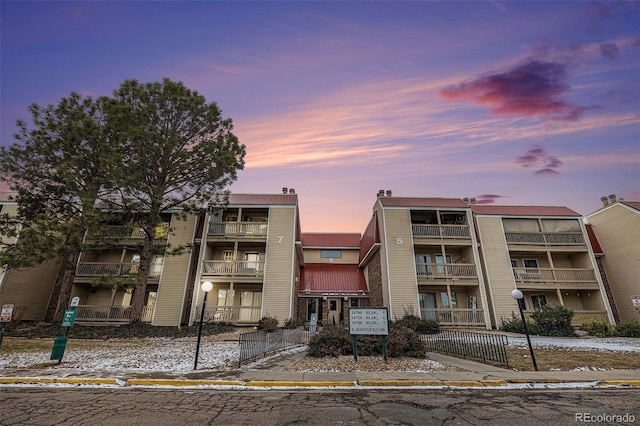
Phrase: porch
{"type": "Point", "coordinates": [466, 317]}
{"type": "Point", "coordinates": [429, 271]}
{"type": "Point", "coordinates": [236, 229]}
{"type": "Point", "coordinates": [228, 268]}
{"type": "Point", "coordinates": [572, 277]}
{"type": "Point", "coordinates": [109, 314]}
{"type": "Point", "coordinates": [441, 232]}
{"type": "Point", "coordinates": [95, 269]}
{"type": "Point", "coordinates": [545, 238]}
{"type": "Point", "coordinates": [235, 314]}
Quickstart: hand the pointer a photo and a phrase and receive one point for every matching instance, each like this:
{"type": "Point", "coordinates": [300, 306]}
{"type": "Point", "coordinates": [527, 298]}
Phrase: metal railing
{"type": "Point", "coordinates": [95, 269]}
{"type": "Point", "coordinates": [455, 316]}
{"type": "Point", "coordinates": [236, 314]}
{"type": "Point", "coordinates": [555, 275]}
{"type": "Point", "coordinates": [262, 342]}
{"type": "Point", "coordinates": [248, 229]}
{"type": "Point", "coordinates": [109, 313]}
{"type": "Point", "coordinates": [233, 267]}
{"type": "Point", "coordinates": [427, 271]}
{"type": "Point", "coordinates": [441, 231]}
{"type": "Point", "coordinates": [486, 347]}
{"type": "Point", "coordinates": [545, 238]}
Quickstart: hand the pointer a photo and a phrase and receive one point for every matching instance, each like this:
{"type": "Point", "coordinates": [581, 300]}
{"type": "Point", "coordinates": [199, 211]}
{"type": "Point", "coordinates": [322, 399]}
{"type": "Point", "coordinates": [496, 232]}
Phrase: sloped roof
{"type": "Point", "coordinates": [330, 240]}
{"type": "Point", "coordinates": [422, 202]}
{"type": "Point", "coordinates": [593, 240]}
{"type": "Point", "coordinates": [370, 237]}
{"type": "Point", "coordinates": [632, 204]}
{"type": "Point", "coordinates": [263, 199]}
{"type": "Point", "coordinates": [523, 210]}
{"type": "Point", "coordinates": [332, 279]}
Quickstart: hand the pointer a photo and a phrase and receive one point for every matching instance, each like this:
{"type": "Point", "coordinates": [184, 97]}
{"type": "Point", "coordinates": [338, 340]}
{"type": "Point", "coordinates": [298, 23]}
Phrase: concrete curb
{"type": "Point", "coordinates": [272, 384]}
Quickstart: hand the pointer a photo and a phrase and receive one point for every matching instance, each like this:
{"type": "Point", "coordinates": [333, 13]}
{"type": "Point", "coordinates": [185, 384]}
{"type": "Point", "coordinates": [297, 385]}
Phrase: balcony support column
{"type": "Point", "coordinates": [559, 294]}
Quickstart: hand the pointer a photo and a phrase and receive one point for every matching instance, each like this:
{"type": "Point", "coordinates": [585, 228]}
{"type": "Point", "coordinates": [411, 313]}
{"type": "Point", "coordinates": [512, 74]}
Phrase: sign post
{"type": "Point", "coordinates": [5, 317]}
{"type": "Point", "coordinates": [368, 321]}
{"type": "Point", "coordinates": [60, 342]}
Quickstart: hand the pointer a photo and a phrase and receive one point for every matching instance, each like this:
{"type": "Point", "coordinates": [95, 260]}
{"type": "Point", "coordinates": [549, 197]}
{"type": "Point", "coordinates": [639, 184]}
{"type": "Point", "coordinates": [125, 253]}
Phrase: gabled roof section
{"type": "Point", "coordinates": [632, 204]}
{"type": "Point", "coordinates": [593, 240]}
{"type": "Point", "coordinates": [263, 199]}
{"type": "Point", "coordinates": [332, 279]}
{"type": "Point", "coordinates": [422, 202]}
{"type": "Point", "coordinates": [523, 210]}
{"type": "Point", "coordinates": [331, 240]}
{"type": "Point", "coordinates": [370, 238]}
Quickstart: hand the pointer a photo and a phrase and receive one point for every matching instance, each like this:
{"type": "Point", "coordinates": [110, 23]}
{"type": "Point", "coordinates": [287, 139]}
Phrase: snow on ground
{"type": "Point", "coordinates": [610, 344]}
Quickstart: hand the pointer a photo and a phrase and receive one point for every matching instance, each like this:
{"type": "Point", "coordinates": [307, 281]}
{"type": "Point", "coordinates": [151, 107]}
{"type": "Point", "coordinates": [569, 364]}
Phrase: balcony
{"type": "Point", "coordinates": [238, 229]}
{"type": "Point", "coordinates": [87, 314]}
{"type": "Point", "coordinates": [556, 277]}
{"type": "Point", "coordinates": [441, 232]}
{"type": "Point", "coordinates": [249, 268]}
{"type": "Point", "coordinates": [545, 238]}
{"type": "Point", "coordinates": [232, 314]}
{"type": "Point", "coordinates": [454, 316]}
{"type": "Point", "coordinates": [95, 269]}
{"type": "Point", "coordinates": [430, 271]}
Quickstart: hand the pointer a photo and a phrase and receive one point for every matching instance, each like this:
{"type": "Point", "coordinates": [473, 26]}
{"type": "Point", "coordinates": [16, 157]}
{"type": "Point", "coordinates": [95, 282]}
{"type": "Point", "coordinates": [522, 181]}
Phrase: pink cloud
{"type": "Point", "coordinates": [533, 88]}
{"type": "Point", "coordinates": [538, 157]}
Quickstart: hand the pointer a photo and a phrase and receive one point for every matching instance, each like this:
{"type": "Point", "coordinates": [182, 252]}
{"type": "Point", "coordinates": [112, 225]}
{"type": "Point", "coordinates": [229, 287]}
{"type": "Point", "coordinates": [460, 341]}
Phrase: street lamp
{"type": "Point", "coordinates": [517, 294]}
{"type": "Point", "coordinates": [206, 287]}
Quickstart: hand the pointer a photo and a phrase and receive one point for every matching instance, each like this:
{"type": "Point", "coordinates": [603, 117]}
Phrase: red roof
{"type": "Point", "coordinates": [263, 199]}
{"type": "Point", "coordinates": [632, 204]}
{"type": "Point", "coordinates": [370, 236]}
{"type": "Point", "coordinates": [523, 210]}
{"type": "Point", "coordinates": [333, 240]}
{"type": "Point", "coordinates": [422, 202]}
{"type": "Point", "coordinates": [332, 279]}
{"type": "Point", "coordinates": [593, 240]}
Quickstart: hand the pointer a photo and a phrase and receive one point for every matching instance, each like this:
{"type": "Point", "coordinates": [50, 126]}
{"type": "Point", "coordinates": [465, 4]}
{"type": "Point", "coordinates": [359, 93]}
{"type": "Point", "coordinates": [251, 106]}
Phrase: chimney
{"type": "Point", "coordinates": [466, 200]}
{"type": "Point", "coordinates": [292, 191]}
{"type": "Point", "coordinates": [472, 201]}
{"type": "Point", "coordinates": [612, 198]}
{"type": "Point", "coordinates": [388, 193]}
{"type": "Point", "coordinates": [604, 200]}
{"type": "Point", "coordinates": [380, 193]}
{"type": "Point", "coordinates": [284, 190]}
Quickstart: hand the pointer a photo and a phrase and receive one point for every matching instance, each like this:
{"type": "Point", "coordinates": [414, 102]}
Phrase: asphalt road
{"type": "Point", "coordinates": [135, 406]}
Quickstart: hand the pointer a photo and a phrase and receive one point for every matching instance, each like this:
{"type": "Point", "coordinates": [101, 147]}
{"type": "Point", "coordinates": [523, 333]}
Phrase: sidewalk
{"type": "Point", "coordinates": [271, 374]}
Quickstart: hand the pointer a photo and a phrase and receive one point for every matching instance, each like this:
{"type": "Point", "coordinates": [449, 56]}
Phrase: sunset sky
{"type": "Point", "coordinates": [523, 103]}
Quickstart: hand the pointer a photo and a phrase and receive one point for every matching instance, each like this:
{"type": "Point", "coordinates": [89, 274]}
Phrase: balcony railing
{"type": "Point", "coordinates": [454, 316]}
{"type": "Point", "coordinates": [579, 317]}
{"type": "Point", "coordinates": [247, 229]}
{"type": "Point", "coordinates": [555, 275]}
{"type": "Point", "coordinates": [443, 232]}
{"type": "Point", "coordinates": [233, 267]}
{"type": "Point", "coordinates": [109, 313]}
{"type": "Point", "coordinates": [426, 271]}
{"type": "Point", "coordinates": [545, 238]}
{"type": "Point", "coordinates": [235, 314]}
{"type": "Point", "coordinates": [94, 269]}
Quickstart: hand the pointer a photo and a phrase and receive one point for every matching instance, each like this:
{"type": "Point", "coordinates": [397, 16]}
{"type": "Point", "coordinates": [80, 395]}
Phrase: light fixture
{"type": "Point", "coordinates": [346, 298]}
{"type": "Point", "coordinates": [206, 286]}
{"type": "Point", "coordinates": [324, 297]}
{"type": "Point", "coordinates": [517, 294]}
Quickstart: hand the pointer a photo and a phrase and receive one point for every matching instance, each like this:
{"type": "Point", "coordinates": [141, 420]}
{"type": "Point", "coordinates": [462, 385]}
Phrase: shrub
{"type": "Point", "coordinates": [330, 341]}
{"type": "Point", "coordinates": [268, 322]}
{"type": "Point", "coordinates": [628, 329]}
{"type": "Point", "coordinates": [405, 342]}
{"type": "Point", "coordinates": [514, 325]}
{"type": "Point", "coordinates": [419, 325]}
{"type": "Point", "coordinates": [553, 321]}
{"type": "Point", "coordinates": [598, 328]}
{"type": "Point", "coordinates": [290, 323]}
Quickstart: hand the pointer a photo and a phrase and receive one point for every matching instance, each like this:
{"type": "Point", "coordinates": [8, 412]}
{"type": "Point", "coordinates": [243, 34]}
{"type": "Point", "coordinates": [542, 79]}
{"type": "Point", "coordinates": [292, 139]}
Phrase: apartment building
{"type": "Point", "coordinates": [617, 228]}
{"type": "Point", "coordinates": [543, 251]}
{"type": "Point", "coordinates": [420, 256]}
{"type": "Point", "coordinates": [330, 279]}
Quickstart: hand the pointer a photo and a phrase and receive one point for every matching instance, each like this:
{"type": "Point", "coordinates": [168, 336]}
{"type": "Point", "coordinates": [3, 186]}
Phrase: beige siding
{"type": "Point", "coordinates": [175, 273]}
{"type": "Point", "coordinates": [618, 230]}
{"type": "Point", "coordinates": [277, 295]}
{"type": "Point", "coordinates": [29, 289]}
{"type": "Point", "coordinates": [400, 263]}
{"type": "Point", "coordinates": [348, 256]}
{"type": "Point", "coordinates": [497, 265]}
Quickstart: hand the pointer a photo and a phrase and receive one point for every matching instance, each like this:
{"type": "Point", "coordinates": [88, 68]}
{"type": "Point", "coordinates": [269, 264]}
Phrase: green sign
{"type": "Point", "coordinates": [69, 317]}
{"type": "Point", "coordinates": [59, 345]}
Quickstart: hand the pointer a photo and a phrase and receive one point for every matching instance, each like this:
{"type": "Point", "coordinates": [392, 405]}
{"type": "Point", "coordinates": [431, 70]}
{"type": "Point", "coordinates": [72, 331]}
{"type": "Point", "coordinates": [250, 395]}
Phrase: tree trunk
{"type": "Point", "coordinates": [64, 284]}
{"type": "Point", "coordinates": [137, 301]}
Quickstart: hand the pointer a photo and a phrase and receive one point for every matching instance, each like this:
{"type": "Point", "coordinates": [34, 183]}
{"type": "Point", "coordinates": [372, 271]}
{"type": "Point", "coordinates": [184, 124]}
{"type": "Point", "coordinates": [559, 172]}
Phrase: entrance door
{"type": "Point", "coordinates": [250, 302]}
{"type": "Point", "coordinates": [428, 306]}
{"type": "Point", "coordinates": [334, 311]}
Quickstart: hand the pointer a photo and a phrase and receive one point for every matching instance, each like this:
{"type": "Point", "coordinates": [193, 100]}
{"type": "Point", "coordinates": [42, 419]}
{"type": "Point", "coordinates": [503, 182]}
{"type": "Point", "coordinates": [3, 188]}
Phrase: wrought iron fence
{"type": "Point", "coordinates": [487, 347]}
{"type": "Point", "coordinates": [262, 342]}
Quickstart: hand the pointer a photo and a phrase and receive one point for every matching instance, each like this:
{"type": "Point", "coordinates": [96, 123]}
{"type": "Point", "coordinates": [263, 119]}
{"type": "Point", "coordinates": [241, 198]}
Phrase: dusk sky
{"type": "Point", "coordinates": [517, 103]}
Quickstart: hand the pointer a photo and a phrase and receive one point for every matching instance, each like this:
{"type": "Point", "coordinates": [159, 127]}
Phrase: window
{"type": "Point", "coordinates": [331, 254]}
{"type": "Point", "coordinates": [227, 255]}
{"type": "Point", "coordinates": [514, 263]}
{"type": "Point", "coordinates": [423, 266]}
{"type": "Point", "coordinates": [531, 271]}
{"type": "Point", "coordinates": [539, 301]}
{"type": "Point", "coordinates": [355, 302]}
{"type": "Point", "coordinates": [444, 298]}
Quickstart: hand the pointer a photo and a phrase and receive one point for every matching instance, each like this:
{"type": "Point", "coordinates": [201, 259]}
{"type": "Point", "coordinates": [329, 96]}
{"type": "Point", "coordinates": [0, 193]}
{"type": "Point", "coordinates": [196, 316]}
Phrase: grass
{"type": "Point", "coordinates": [569, 359]}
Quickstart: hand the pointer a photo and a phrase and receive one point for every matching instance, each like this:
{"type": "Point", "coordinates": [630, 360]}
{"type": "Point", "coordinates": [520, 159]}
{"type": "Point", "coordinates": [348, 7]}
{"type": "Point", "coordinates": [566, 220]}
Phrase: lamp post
{"type": "Point", "coordinates": [206, 287]}
{"type": "Point", "coordinates": [517, 294]}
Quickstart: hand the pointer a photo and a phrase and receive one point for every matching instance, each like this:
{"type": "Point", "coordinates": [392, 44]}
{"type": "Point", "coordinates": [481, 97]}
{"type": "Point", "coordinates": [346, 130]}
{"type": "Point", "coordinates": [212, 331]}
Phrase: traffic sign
{"type": "Point", "coordinates": [69, 317]}
{"type": "Point", "coordinates": [75, 301]}
{"type": "Point", "coordinates": [7, 311]}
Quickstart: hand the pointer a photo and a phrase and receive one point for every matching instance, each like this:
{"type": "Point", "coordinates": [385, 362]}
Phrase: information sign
{"type": "Point", "coordinates": [368, 321]}
{"type": "Point", "coordinates": [7, 311]}
{"type": "Point", "coordinates": [69, 317]}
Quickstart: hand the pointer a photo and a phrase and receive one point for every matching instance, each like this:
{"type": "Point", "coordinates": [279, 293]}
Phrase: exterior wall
{"type": "Point", "coordinates": [349, 256]}
{"type": "Point", "coordinates": [373, 274]}
{"type": "Point", "coordinates": [278, 289]}
{"type": "Point", "coordinates": [618, 230]}
{"type": "Point", "coordinates": [497, 268]}
{"type": "Point", "coordinates": [401, 274]}
{"type": "Point", "coordinates": [175, 275]}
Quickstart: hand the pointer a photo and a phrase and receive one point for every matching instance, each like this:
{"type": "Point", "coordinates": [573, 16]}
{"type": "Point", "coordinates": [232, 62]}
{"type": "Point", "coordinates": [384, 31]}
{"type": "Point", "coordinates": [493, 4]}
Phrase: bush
{"type": "Point", "coordinates": [553, 321]}
{"type": "Point", "coordinates": [290, 323]}
{"type": "Point", "coordinates": [514, 325]}
{"type": "Point", "coordinates": [405, 342]}
{"type": "Point", "coordinates": [599, 328]}
{"type": "Point", "coordinates": [418, 325]}
{"type": "Point", "coordinates": [628, 329]}
{"type": "Point", "coordinates": [267, 322]}
{"type": "Point", "coordinates": [330, 341]}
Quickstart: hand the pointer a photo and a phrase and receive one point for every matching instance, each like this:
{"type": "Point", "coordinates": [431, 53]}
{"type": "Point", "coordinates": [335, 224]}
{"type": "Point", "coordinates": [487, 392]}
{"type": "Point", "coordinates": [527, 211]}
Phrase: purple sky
{"type": "Point", "coordinates": [508, 102]}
